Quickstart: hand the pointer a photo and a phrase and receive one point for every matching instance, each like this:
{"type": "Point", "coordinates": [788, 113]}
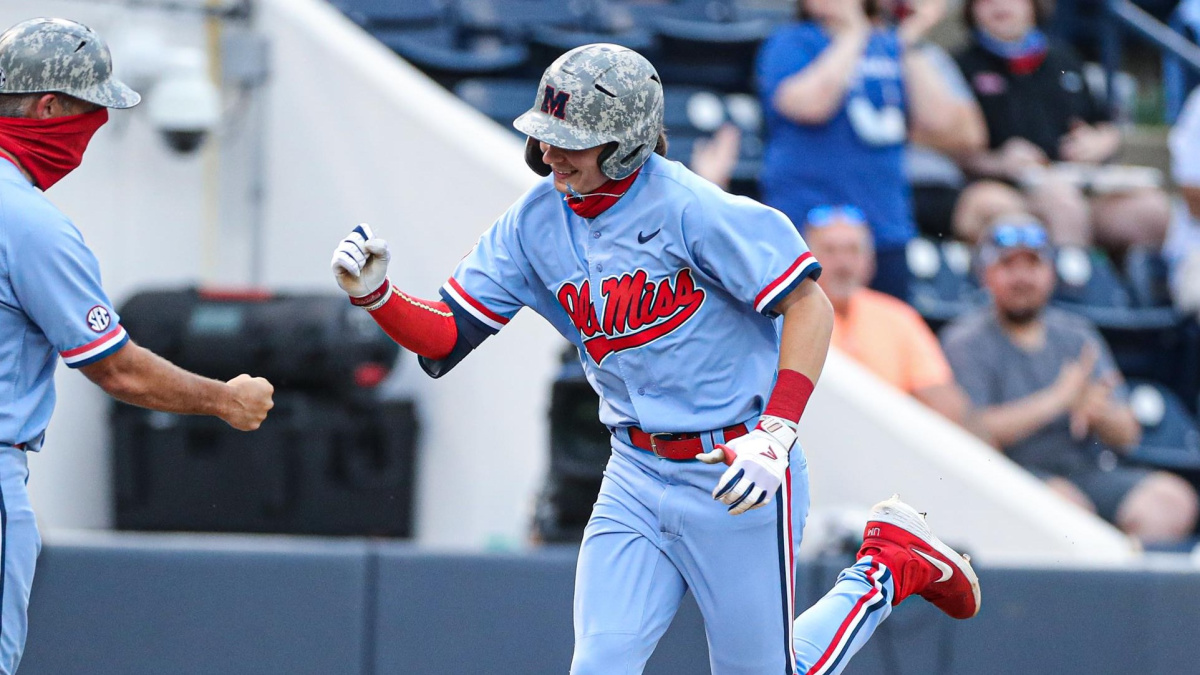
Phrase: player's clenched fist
{"type": "Point", "coordinates": [757, 463]}
{"type": "Point", "coordinates": [249, 402]}
{"type": "Point", "coordinates": [360, 262]}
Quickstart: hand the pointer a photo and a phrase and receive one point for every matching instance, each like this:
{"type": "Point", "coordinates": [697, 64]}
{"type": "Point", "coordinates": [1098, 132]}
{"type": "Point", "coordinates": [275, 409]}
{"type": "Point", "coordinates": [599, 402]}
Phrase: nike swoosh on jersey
{"type": "Point", "coordinates": [946, 570]}
{"type": "Point", "coordinates": [643, 238]}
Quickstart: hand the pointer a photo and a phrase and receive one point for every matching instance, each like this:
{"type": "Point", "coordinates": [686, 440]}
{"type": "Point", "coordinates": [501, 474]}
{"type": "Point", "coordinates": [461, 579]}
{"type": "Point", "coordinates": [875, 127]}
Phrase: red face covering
{"type": "Point", "coordinates": [599, 200]}
{"type": "Point", "coordinates": [50, 148]}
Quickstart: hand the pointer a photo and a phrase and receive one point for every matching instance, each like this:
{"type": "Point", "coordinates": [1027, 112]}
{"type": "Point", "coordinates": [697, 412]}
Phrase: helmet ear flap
{"type": "Point", "coordinates": [604, 160]}
{"type": "Point", "coordinates": [533, 157]}
{"type": "Point", "coordinates": [618, 168]}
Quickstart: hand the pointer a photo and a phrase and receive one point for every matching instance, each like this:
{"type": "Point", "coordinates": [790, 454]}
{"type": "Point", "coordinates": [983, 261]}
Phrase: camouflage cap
{"type": "Point", "coordinates": [58, 55]}
{"type": "Point", "coordinates": [597, 94]}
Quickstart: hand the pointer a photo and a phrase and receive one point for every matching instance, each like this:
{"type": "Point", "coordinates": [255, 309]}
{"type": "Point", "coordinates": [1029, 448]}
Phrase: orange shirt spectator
{"type": "Point", "coordinates": [882, 333]}
{"type": "Point", "coordinates": [892, 341]}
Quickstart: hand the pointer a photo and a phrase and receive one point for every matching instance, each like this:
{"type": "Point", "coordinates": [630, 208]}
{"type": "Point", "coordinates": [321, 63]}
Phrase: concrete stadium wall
{"type": "Point", "coordinates": [200, 605]}
{"type": "Point", "coordinates": [352, 133]}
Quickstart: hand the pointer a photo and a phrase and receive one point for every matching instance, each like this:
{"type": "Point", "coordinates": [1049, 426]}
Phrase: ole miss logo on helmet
{"type": "Point", "coordinates": [637, 311]}
{"type": "Point", "coordinates": [555, 102]}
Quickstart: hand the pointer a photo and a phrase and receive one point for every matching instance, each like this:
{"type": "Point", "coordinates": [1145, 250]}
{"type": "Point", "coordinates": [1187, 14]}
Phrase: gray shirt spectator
{"type": "Point", "coordinates": [1047, 392]}
{"type": "Point", "coordinates": [994, 371]}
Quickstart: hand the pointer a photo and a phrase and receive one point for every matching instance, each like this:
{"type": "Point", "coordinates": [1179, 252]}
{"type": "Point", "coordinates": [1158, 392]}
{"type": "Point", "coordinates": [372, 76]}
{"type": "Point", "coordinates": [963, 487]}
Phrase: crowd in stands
{"type": "Point", "coordinates": [847, 95]}
{"type": "Point", "coordinates": [1047, 391]}
{"type": "Point", "coordinates": [870, 136]}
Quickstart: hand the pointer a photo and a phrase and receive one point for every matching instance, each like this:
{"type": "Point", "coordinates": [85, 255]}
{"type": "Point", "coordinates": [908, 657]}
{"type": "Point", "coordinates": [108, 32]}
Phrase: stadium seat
{"type": "Point", "coordinates": [1149, 339]}
{"type": "Point", "coordinates": [942, 287]}
{"type": "Point", "coordinates": [580, 22]}
{"type": "Point", "coordinates": [713, 45]}
{"type": "Point", "coordinates": [691, 110]}
{"type": "Point", "coordinates": [1170, 437]}
{"type": "Point", "coordinates": [449, 56]}
{"type": "Point", "coordinates": [556, 39]}
{"type": "Point", "coordinates": [1155, 343]}
{"type": "Point", "coordinates": [392, 14]}
{"type": "Point", "coordinates": [1147, 275]}
{"type": "Point", "coordinates": [1087, 277]}
{"type": "Point", "coordinates": [501, 100]}
{"type": "Point", "coordinates": [729, 67]}
{"type": "Point", "coordinates": [511, 19]}
{"type": "Point", "coordinates": [693, 113]}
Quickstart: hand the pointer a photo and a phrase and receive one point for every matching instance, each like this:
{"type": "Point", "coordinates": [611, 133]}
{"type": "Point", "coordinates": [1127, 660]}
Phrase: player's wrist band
{"type": "Point", "coordinates": [374, 299]}
{"type": "Point", "coordinates": [790, 397]}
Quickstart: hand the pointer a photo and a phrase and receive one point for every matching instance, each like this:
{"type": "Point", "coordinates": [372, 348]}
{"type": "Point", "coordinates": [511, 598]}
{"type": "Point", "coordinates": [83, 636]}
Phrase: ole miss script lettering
{"type": "Point", "coordinates": [636, 310]}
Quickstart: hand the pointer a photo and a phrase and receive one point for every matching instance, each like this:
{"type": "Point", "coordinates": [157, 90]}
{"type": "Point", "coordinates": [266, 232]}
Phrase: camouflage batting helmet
{"type": "Point", "coordinates": [594, 95]}
{"type": "Point", "coordinates": [57, 55]}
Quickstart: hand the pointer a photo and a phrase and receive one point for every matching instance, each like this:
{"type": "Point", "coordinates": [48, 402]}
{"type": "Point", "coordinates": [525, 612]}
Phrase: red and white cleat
{"type": "Point", "coordinates": [897, 536]}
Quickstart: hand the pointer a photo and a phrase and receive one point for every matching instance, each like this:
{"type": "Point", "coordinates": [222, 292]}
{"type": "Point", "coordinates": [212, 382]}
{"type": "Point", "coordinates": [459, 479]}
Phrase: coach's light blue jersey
{"type": "Point", "coordinates": [668, 294]}
{"type": "Point", "coordinates": [51, 304]}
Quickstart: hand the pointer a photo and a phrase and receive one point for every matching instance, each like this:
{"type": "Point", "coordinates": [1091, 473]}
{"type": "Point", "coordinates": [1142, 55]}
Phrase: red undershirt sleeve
{"type": "Point", "coordinates": [425, 327]}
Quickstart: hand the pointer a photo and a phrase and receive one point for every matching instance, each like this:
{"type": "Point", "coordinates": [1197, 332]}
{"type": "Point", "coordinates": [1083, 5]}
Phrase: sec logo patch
{"type": "Point", "coordinates": [98, 319]}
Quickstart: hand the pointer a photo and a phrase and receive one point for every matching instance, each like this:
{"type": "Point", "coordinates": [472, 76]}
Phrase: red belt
{"type": "Point", "coordinates": [19, 446]}
{"type": "Point", "coordinates": [680, 446]}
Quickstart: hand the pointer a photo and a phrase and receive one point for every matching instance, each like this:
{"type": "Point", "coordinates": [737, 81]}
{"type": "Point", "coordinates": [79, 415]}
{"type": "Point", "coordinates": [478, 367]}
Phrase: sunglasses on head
{"type": "Point", "coordinates": [1028, 235]}
{"type": "Point", "coordinates": [821, 216]}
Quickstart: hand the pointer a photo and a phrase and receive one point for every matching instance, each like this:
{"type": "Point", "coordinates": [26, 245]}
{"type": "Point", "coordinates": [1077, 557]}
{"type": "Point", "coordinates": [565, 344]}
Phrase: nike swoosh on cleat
{"type": "Point", "coordinates": [946, 570]}
{"type": "Point", "coordinates": [643, 238]}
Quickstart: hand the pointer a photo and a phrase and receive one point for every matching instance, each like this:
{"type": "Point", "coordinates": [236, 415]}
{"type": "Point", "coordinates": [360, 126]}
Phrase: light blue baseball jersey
{"type": "Point", "coordinates": [669, 294]}
{"type": "Point", "coordinates": [51, 305]}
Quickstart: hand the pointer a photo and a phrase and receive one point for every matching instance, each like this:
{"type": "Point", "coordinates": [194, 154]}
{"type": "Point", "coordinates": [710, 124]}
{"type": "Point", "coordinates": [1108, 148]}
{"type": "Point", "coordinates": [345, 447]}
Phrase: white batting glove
{"type": "Point", "coordinates": [757, 463]}
{"type": "Point", "coordinates": [360, 262]}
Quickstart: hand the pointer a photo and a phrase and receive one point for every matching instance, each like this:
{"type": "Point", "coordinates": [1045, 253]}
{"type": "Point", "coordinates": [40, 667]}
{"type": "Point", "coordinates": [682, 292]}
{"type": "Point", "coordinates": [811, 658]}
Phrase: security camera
{"type": "Point", "coordinates": [184, 106]}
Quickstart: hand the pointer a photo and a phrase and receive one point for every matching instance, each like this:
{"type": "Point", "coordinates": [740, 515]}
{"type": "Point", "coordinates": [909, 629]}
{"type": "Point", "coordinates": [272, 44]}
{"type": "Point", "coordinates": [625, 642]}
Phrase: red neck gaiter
{"type": "Point", "coordinates": [602, 198]}
{"type": "Point", "coordinates": [49, 149]}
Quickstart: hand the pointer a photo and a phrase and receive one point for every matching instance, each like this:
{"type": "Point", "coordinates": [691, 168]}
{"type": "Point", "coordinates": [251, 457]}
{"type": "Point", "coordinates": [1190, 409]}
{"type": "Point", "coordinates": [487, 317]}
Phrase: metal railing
{"type": "Point", "coordinates": [1122, 18]}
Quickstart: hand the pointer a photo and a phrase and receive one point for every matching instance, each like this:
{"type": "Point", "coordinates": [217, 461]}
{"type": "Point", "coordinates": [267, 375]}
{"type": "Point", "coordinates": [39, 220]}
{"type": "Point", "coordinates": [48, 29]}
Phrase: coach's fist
{"type": "Point", "coordinates": [360, 262]}
{"type": "Point", "coordinates": [758, 463]}
{"type": "Point", "coordinates": [248, 402]}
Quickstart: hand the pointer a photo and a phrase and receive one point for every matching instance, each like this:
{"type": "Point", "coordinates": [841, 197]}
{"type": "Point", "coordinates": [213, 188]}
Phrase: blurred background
{"type": "Point", "coordinates": [382, 522]}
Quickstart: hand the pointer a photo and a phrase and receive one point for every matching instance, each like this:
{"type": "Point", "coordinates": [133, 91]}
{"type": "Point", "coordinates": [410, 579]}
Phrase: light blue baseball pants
{"type": "Point", "coordinates": [656, 532]}
{"type": "Point", "coordinates": [20, 544]}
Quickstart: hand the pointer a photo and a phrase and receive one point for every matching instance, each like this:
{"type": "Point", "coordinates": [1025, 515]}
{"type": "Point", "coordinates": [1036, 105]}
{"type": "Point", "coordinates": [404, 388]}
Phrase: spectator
{"type": "Point", "coordinates": [840, 93]}
{"type": "Point", "coordinates": [1047, 392]}
{"type": "Point", "coordinates": [1182, 248]}
{"type": "Point", "coordinates": [715, 157]}
{"type": "Point", "coordinates": [931, 161]}
{"type": "Point", "coordinates": [1039, 111]}
{"type": "Point", "coordinates": [879, 331]}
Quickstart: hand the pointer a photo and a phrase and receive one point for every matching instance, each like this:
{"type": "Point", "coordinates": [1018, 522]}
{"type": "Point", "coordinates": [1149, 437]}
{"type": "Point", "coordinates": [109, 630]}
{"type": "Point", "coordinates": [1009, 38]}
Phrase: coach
{"type": "Point", "coordinates": [55, 88]}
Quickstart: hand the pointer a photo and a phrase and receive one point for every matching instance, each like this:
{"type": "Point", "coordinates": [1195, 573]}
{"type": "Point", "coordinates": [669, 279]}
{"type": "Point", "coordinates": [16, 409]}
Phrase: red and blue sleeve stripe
{"type": "Point", "coordinates": [458, 297]}
{"type": "Point", "coordinates": [806, 266]}
{"type": "Point", "coordinates": [101, 347]}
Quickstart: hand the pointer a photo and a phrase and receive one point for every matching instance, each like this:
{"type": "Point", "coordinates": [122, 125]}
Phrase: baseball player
{"type": "Point", "coordinates": [55, 88]}
{"type": "Point", "coordinates": [670, 289]}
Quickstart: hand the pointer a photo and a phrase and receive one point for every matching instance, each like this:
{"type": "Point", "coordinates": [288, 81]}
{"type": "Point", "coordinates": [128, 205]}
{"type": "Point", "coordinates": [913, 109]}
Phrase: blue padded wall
{"type": "Point", "coordinates": [126, 604]}
{"type": "Point", "coordinates": [441, 613]}
{"type": "Point", "coordinates": [199, 605]}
